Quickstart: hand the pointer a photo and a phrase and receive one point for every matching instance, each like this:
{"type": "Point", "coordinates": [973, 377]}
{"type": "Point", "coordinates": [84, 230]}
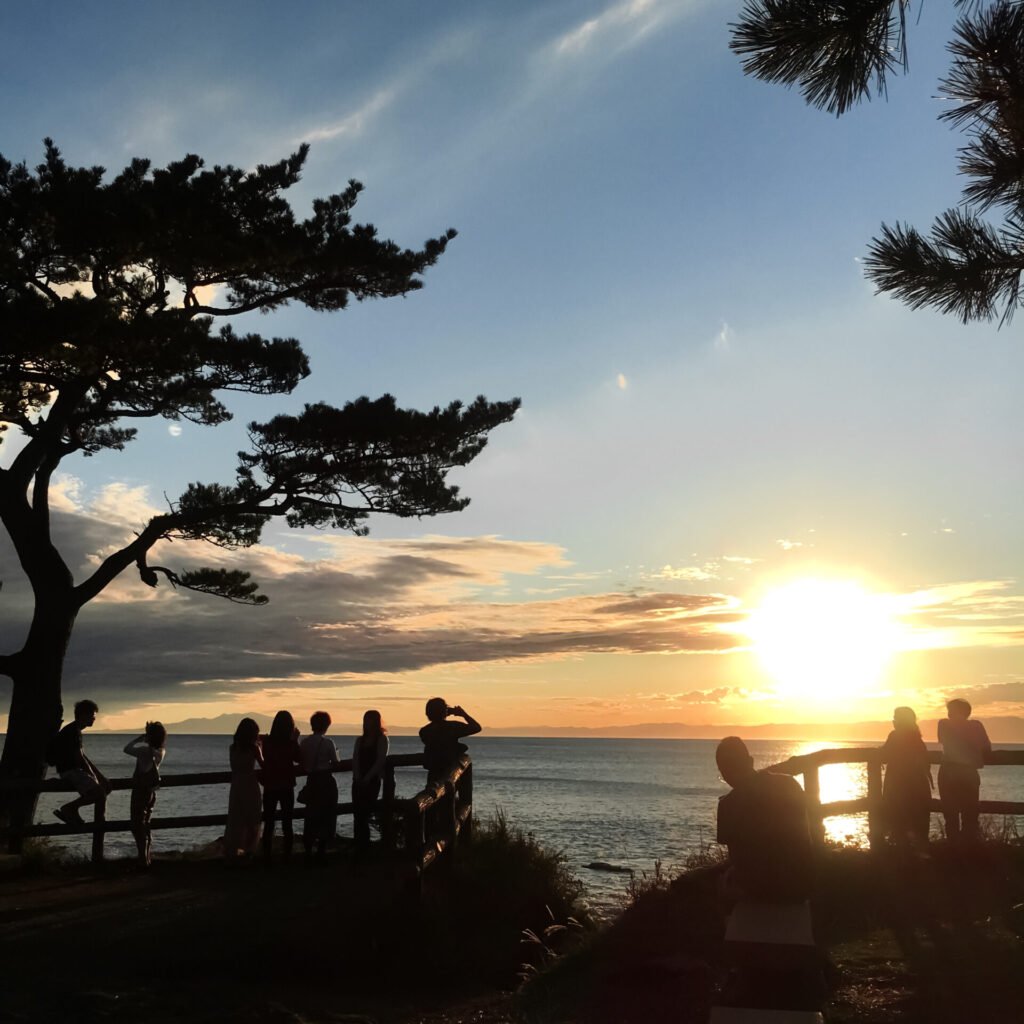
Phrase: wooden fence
{"type": "Point", "coordinates": [808, 766]}
{"type": "Point", "coordinates": [429, 823]}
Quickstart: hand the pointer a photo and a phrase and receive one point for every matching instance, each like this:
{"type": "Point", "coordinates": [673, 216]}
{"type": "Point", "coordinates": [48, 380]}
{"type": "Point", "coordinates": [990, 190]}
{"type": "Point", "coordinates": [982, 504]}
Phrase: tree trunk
{"type": "Point", "coordinates": [35, 713]}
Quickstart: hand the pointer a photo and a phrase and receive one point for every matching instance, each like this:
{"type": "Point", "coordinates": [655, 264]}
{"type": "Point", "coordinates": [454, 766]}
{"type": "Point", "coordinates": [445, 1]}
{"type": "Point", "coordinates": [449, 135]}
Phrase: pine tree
{"type": "Point", "coordinates": [839, 52]}
{"type": "Point", "coordinates": [111, 293]}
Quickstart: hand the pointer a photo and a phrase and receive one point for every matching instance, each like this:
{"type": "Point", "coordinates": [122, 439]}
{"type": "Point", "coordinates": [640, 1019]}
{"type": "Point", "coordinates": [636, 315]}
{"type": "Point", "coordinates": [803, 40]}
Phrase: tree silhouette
{"type": "Point", "coordinates": [110, 294]}
{"type": "Point", "coordinates": [838, 52]}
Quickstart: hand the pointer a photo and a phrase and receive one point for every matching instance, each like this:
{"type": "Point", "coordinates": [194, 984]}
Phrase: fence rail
{"type": "Point", "coordinates": [431, 821]}
{"type": "Point", "coordinates": [808, 766]}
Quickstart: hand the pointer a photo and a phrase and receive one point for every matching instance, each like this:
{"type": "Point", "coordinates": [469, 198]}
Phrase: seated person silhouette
{"type": "Point", "coordinates": [763, 822]}
{"type": "Point", "coordinates": [441, 738]}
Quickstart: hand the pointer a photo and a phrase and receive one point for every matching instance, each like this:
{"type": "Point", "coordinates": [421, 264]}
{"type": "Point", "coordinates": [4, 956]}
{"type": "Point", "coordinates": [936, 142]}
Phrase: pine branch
{"type": "Point", "coordinates": [230, 584]}
{"type": "Point", "coordinates": [966, 267]}
{"type": "Point", "coordinates": [986, 82]}
{"type": "Point", "coordinates": [838, 51]}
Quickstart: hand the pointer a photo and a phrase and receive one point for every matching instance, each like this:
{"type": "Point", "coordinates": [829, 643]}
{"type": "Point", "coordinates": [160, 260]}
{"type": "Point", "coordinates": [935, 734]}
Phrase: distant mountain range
{"type": "Point", "coordinates": [1001, 730]}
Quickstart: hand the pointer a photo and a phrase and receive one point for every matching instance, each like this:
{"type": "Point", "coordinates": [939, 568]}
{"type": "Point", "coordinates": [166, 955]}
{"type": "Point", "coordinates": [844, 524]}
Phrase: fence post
{"type": "Point", "coordinates": [413, 827]}
{"type": "Point", "coordinates": [387, 814]}
{"type": "Point", "coordinates": [466, 797]}
{"type": "Point", "coordinates": [876, 830]}
{"type": "Point", "coordinates": [412, 824]}
{"type": "Point", "coordinates": [99, 820]}
{"type": "Point", "coordinates": [449, 816]}
{"type": "Point", "coordinates": [812, 787]}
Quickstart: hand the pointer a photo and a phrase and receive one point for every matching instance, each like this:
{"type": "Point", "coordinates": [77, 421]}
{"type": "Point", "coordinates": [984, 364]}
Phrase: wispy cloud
{"type": "Point", "coordinates": [355, 122]}
{"type": "Point", "coordinates": [619, 26]}
{"type": "Point", "coordinates": [724, 338]}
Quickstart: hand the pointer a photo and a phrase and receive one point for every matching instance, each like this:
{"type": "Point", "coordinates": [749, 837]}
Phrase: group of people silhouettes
{"type": "Point", "coordinates": [264, 773]}
{"type": "Point", "coordinates": [764, 823]}
{"type": "Point", "coordinates": [273, 762]}
{"type": "Point", "coordinates": [66, 753]}
{"type": "Point", "coordinates": [775, 966]}
{"type": "Point", "coordinates": [907, 788]}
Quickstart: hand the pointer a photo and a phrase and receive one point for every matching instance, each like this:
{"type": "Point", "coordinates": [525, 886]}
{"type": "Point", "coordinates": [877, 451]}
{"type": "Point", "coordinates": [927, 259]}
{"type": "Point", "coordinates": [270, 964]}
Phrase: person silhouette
{"type": "Point", "coordinates": [319, 756]}
{"type": "Point", "coordinates": [242, 834]}
{"type": "Point", "coordinates": [280, 756]}
{"type": "Point", "coordinates": [67, 754]}
{"type": "Point", "coordinates": [441, 738]}
{"type": "Point", "coordinates": [906, 790]}
{"type": "Point", "coordinates": [965, 746]}
{"type": "Point", "coordinates": [148, 751]}
{"type": "Point", "coordinates": [763, 822]}
{"type": "Point", "coordinates": [369, 757]}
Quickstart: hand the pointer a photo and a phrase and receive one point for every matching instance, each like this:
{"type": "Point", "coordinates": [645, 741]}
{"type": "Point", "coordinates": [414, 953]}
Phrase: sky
{"type": "Point", "coordinates": [742, 488]}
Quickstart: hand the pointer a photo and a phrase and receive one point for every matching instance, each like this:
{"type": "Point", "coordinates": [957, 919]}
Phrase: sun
{"type": "Point", "coordinates": [824, 640]}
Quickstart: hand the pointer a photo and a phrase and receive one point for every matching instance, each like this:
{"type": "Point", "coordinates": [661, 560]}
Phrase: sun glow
{"type": "Point", "coordinates": [824, 640]}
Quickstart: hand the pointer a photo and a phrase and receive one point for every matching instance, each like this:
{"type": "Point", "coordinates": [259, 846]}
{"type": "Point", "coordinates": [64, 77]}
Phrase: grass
{"type": "Point", "coordinates": [503, 888]}
{"type": "Point", "coordinates": [934, 937]}
{"type": "Point", "coordinates": [193, 939]}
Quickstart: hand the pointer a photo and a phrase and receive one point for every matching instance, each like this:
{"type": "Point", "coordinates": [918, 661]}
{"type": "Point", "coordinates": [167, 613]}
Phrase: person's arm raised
{"type": "Point", "coordinates": [473, 726]}
{"type": "Point", "coordinates": [129, 747]}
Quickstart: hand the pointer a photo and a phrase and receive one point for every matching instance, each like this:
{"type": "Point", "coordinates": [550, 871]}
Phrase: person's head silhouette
{"type": "Point", "coordinates": [436, 709]}
{"type": "Point", "coordinates": [734, 761]}
{"type": "Point", "coordinates": [958, 708]}
{"type": "Point", "coordinates": [905, 720]}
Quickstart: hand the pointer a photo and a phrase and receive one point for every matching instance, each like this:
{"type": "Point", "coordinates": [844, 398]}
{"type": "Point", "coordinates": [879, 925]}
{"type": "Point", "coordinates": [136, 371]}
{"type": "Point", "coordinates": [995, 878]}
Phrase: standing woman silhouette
{"type": "Point", "coordinates": [368, 759]}
{"type": "Point", "coordinates": [907, 789]}
{"type": "Point", "coordinates": [280, 756]}
{"type": "Point", "coordinates": [242, 834]}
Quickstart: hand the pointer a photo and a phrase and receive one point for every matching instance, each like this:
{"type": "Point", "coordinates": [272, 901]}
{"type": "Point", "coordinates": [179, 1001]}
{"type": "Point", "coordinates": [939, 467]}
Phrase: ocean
{"type": "Point", "coordinates": [624, 802]}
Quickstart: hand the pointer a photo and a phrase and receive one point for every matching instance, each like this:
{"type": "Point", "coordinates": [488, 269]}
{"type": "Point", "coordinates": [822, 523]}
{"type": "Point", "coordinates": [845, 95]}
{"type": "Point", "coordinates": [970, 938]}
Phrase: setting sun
{"type": "Point", "coordinates": [823, 640]}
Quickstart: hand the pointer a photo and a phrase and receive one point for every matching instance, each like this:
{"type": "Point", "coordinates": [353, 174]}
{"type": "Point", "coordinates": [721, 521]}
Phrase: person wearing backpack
{"type": "Point", "coordinates": [148, 751]}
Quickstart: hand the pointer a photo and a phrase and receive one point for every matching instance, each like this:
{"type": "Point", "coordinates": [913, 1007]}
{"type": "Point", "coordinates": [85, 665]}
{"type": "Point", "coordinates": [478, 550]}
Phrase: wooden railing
{"type": "Point", "coordinates": [429, 822]}
{"type": "Point", "coordinates": [808, 766]}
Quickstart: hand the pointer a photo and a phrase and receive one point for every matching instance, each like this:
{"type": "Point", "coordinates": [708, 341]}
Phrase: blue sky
{"type": "Point", "coordinates": [659, 256]}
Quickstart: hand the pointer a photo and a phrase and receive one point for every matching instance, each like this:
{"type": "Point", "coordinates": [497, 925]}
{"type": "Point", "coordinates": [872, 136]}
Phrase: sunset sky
{"type": "Point", "coordinates": [742, 488]}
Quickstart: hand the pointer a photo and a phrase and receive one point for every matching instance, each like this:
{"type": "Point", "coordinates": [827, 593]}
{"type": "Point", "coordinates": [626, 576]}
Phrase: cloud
{"type": "Point", "coordinates": [355, 122]}
{"type": "Point", "coordinates": [789, 545]}
{"type": "Point", "coordinates": [718, 695]}
{"type": "Point", "coordinates": [617, 27]}
{"type": "Point", "coordinates": [689, 573]}
{"type": "Point", "coordinates": [974, 613]}
{"type": "Point", "coordinates": [621, 381]}
{"type": "Point", "coordinates": [724, 338]}
{"type": "Point", "coordinates": [990, 694]}
{"type": "Point", "coordinates": [347, 612]}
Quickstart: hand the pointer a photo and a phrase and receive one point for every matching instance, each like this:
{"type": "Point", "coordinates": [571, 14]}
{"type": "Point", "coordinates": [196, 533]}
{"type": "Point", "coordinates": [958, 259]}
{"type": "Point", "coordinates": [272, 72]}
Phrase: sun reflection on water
{"type": "Point", "coordinates": [842, 782]}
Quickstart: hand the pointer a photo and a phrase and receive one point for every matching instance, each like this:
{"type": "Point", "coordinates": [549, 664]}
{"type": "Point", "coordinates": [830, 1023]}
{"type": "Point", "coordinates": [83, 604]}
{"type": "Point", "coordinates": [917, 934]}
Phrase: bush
{"type": "Point", "coordinates": [505, 897]}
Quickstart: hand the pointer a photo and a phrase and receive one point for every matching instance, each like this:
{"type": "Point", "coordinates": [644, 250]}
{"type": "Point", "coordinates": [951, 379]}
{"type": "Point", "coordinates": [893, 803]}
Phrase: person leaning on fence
{"type": "Point", "coordinates": [280, 756]}
{"type": "Point", "coordinates": [242, 834]}
{"type": "Point", "coordinates": [67, 754]}
{"type": "Point", "coordinates": [148, 751]}
{"type": "Point", "coordinates": [320, 793]}
{"type": "Point", "coordinates": [441, 738]}
{"type": "Point", "coordinates": [369, 756]}
{"type": "Point", "coordinates": [907, 788]}
{"type": "Point", "coordinates": [965, 746]}
{"type": "Point", "coordinates": [763, 822]}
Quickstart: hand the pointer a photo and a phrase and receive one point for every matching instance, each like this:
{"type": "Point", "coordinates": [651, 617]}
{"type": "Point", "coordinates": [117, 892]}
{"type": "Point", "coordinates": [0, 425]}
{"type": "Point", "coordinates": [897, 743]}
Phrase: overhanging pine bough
{"type": "Point", "coordinates": [110, 297]}
{"type": "Point", "coordinates": [840, 51]}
